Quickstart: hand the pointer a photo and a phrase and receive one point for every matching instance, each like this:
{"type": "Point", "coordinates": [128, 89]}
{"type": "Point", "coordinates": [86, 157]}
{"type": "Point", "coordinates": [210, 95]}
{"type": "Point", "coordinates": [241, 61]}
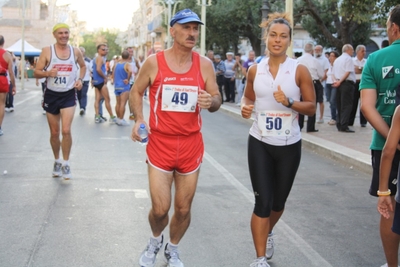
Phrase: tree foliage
{"type": "Point", "coordinates": [91, 40]}
{"type": "Point", "coordinates": [333, 23]}
{"type": "Point", "coordinates": [229, 21]}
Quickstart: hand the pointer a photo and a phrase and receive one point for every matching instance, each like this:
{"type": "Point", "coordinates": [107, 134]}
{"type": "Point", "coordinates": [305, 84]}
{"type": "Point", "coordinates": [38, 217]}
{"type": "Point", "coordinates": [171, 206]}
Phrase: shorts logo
{"type": "Point", "coordinates": [388, 72]}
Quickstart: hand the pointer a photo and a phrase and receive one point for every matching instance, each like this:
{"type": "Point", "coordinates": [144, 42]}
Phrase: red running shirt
{"type": "Point", "coordinates": [173, 99]}
{"type": "Point", "coordinates": [4, 85]}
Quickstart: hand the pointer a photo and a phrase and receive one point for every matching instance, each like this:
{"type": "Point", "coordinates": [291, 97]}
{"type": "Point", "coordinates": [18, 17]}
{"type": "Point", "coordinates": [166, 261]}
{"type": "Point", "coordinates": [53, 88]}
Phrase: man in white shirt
{"type": "Point", "coordinates": [324, 62]}
{"type": "Point", "coordinates": [359, 62]}
{"type": "Point", "coordinates": [345, 79]}
{"type": "Point", "coordinates": [317, 74]}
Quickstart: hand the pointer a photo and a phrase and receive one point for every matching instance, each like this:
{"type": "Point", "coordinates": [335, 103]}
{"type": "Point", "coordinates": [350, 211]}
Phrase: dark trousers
{"type": "Point", "coordinates": [10, 97]}
{"type": "Point", "coordinates": [311, 119]}
{"type": "Point", "coordinates": [344, 104]}
{"type": "Point", "coordinates": [229, 85]}
{"type": "Point", "coordinates": [356, 98]}
{"type": "Point", "coordinates": [220, 82]}
{"type": "Point", "coordinates": [82, 95]}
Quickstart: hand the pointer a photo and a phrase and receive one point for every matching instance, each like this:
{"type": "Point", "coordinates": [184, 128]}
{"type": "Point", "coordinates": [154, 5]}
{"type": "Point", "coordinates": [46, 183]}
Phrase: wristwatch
{"type": "Point", "coordinates": [80, 79]}
{"type": "Point", "coordinates": [291, 101]}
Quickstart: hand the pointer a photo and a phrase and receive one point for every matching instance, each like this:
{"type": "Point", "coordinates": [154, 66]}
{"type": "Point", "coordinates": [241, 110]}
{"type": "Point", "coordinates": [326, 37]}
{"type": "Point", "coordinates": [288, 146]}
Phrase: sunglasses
{"type": "Point", "coordinates": [104, 49]}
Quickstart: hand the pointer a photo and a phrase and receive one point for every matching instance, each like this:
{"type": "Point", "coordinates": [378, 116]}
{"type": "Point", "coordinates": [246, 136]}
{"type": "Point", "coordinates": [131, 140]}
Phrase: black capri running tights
{"type": "Point", "coordinates": [272, 172]}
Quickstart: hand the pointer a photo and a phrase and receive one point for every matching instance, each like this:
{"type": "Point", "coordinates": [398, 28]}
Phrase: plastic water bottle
{"type": "Point", "coordinates": [143, 134]}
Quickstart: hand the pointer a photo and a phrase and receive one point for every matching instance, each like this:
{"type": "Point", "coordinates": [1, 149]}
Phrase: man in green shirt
{"type": "Point", "coordinates": [379, 82]}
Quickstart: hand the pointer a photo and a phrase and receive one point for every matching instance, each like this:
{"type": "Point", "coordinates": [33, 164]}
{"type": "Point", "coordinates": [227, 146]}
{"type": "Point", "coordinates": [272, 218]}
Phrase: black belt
{"type": "Point", "coordinates": [3, 74]}
{"type": "Point", "coordinates": [316, 81]}
{"type": "Point", "coordinates": [348, 81]}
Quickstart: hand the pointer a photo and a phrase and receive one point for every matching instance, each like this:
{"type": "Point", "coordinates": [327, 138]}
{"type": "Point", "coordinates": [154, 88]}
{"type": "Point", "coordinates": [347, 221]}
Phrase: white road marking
{"type": "Point", "coordinates": [26, 99]}
{"type": "Point", "coordinates": [300, 243]}
{"type": "Point", "coordinates": [139, 193]}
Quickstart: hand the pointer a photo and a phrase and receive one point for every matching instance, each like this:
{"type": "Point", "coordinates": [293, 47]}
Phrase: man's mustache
{"type": "Point", "coordinates": [191, 38]}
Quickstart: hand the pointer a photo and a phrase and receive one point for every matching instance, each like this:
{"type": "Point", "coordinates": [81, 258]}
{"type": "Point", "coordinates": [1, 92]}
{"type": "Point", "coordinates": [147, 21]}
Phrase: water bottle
{"type": "Point", "coordinates": [143, 134]}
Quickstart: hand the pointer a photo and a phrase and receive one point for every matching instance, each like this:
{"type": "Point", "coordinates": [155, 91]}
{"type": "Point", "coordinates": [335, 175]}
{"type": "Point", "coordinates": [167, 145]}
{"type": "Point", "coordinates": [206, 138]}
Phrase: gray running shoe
{"type": "Point", "coordinates": [114, 120]}
{"type": "Point", "coordinates": [172, 257]}
{"type": "Point", "coordinates": [97, 119]}
{"type": "Point", "coordinates": [103, 119]}
{"type": "Point", "coordinates": [260, 262]}
{"type": "Point", "coordinates": [57, 169]}
{"type": "Point", "coordinates": [148, 256]}
{"type": "Point", "coordinates": [1, 132]}
{"type": "Point", "coordinates": [66, 172]}
{"type": "Point", "coordinates": [270, 246]}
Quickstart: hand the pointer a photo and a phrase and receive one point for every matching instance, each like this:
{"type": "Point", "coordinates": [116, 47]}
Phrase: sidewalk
{"type": "Point", "coordinates": [350, 149]}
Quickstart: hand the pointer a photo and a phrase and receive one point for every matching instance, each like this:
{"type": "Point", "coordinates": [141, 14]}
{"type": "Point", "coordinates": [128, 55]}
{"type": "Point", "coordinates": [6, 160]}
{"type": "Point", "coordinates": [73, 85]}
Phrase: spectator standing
{"type": "Point", "coordinates": [330, 90]}
{"type": "Point", "coordinates": [219, 67]}
{"type": "Point", "coordinates": [379, 83]}
{"type": "Point", "coordinates": [239, 75]}
{"type": "Point", "coordinates": [317, 73]}
{"type": "Point", "coordinates": [345, 79]}
{"type": "Point", "coordinates": [324, 62]}
{"type": "Point", "coordinates": [229, 78]}
{"type": "Point", "coordinates": [6, 69]}
{"type": "Point", "coordinates": [359, 62]}
{"type": "Point", "coordinates": [82, 94]}
{"type": "Point", "coordinates": [195, 74]}
{"type": "Point", "coordinates": [274, 87]}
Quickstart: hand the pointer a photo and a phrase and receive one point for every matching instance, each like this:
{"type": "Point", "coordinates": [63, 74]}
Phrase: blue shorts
{"type": "Point", "coordinates": [53, 101]}
{"type": "Point", "coordinates": [396, 219]}
{"type": "Point", "coordinates": [120, 92]}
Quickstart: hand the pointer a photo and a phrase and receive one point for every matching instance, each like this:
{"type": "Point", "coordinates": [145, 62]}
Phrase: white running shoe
{"type": "Point", "coordinates": [260, 262]}
{"type": "Point", "coordinates": [385, 265]}
{"type": "Point", "coordinates": [66, 172]}
{"type": "Point", "coordinates": [11, 109]}
{"type": "Point", "coordinates": [1, 132]}
{"type": "Point", "coordinates": [270, 246]}
{"type": "Point", "coordinates": [123, 122]}
{"type": "Point", "coordinates": [172, 256]}
{"type": "Point", "coordinates": [149, 255]}
{"type": "Point", "coordinates": [82, 112]}
{"type": "Point", "coordinates": [114, 120]}
{"type": "Point", "coordinates": [7, 109]}
{"type": "Point", "coordinates": [57, 169]}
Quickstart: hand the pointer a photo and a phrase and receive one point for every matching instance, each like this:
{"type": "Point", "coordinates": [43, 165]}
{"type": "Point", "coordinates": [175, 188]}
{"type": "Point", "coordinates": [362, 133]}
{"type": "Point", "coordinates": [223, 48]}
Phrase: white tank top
{"type": "Point", "coordinates": [274, 123]}
{"type": "Point", "coordinates": [67, 71]}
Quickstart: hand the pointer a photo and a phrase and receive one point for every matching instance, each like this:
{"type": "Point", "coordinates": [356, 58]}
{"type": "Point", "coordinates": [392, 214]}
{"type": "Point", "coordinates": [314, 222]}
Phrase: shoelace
{"type": "Point", "coordinates": [270, 242]}
{"type": "Point", "coordinates": [152, 247]}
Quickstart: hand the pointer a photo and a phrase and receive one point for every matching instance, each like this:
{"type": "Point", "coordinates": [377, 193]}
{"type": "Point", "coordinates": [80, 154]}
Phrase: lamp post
{"type": "Point", "coordinates": [153, 36]}
{"type": "Point", "coordinates": [264, 16]}
{"type": "Point", "coordinates": [289, 10]}
{"type": "Point", "coordinates": [169, 3]}
{"type": "Point", "coordinates": [203, 4]}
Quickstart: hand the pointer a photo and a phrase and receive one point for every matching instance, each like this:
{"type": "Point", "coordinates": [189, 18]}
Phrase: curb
{"type": "Point", "coordinates": [346, 156]}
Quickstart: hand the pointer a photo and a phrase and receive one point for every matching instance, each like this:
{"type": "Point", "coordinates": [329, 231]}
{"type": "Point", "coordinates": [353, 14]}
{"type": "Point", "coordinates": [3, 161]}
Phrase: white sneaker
{"type": "Point", "coordinates": [57, 169]}
{"type": "Point", "coordinates": [320, 121]}
{"type": "Point", "coordinates": [82, 112]}
{"type": "Point", "coordinates": [149, 255]}
{"type": "Point", "coordinates": [270, 246]}
{"type": "Point", "coordinates": [123, 122]}
{"type": "Point", "coordinates": [386, 265]}
{"type": "Point", "coordinates": [114, 120]}
{"type": "Point", "coordinates": [1, 132]}
{"type": "Point", "coordinates": [66, 172]}
{"type": "Point", "coordinates": [44, 112]}
{"type": "Point", "coordinates": [260, 262]}
{"type": "Point", "coordinates": [7, 110]}
{"type": "Point", "coordinates": [172, 256]}
{"type": "Point", "coordinates": [11, 109]}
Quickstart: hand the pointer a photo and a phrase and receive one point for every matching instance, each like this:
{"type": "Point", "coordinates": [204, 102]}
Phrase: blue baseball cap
{"type": "Point", "coordinates": [185, 16]}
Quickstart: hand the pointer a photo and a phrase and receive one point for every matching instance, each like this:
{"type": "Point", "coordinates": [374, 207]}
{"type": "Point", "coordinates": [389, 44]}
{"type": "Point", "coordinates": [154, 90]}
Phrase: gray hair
{"type": "Point", "coordinates": [309, 48]}
{"type": "Point", "coordinates": [359, 47]}
{"type": "Point", "coordinates": [346, 47]}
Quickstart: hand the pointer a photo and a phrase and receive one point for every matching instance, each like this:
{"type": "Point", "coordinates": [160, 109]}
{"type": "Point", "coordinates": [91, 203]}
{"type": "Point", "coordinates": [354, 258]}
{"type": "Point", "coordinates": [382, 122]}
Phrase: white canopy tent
{"type": "Point", "coordinates": [30, 50]}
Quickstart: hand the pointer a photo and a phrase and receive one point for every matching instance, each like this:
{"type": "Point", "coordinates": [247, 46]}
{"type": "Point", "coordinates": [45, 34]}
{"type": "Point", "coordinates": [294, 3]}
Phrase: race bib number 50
{"type": "Point", "coordinates": [180, 98]}
{"type": "Point", "coordinates": [275, 123]}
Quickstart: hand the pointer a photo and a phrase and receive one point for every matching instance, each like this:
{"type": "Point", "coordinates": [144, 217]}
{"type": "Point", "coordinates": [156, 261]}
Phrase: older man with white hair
{"type": "Point", "coordinates": [345, 79]}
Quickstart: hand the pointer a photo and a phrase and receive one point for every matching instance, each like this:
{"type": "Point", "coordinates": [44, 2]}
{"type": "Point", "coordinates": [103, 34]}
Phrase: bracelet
{"type": "Point", "coordinates": [384, 193]}
{"type": "Point", "coordinates": [81, 79]}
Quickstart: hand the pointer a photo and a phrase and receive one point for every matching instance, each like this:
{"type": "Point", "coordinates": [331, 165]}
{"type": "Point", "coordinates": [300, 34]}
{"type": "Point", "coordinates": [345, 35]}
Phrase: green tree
{"type": "Point", "coordinates": [333, 23]}
{"type": "Point", "coordinates": [91, 40]}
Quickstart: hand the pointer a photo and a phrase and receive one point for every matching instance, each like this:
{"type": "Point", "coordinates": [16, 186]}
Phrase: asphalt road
{"type": "Point", "coordinates": [99, 218]}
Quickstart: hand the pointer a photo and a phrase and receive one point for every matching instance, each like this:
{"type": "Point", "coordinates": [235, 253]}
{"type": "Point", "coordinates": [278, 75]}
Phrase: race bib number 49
{"type": "Point", "coordinates": [180, 98]}
{"type": "Point", "coordinates": [275, 123]}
